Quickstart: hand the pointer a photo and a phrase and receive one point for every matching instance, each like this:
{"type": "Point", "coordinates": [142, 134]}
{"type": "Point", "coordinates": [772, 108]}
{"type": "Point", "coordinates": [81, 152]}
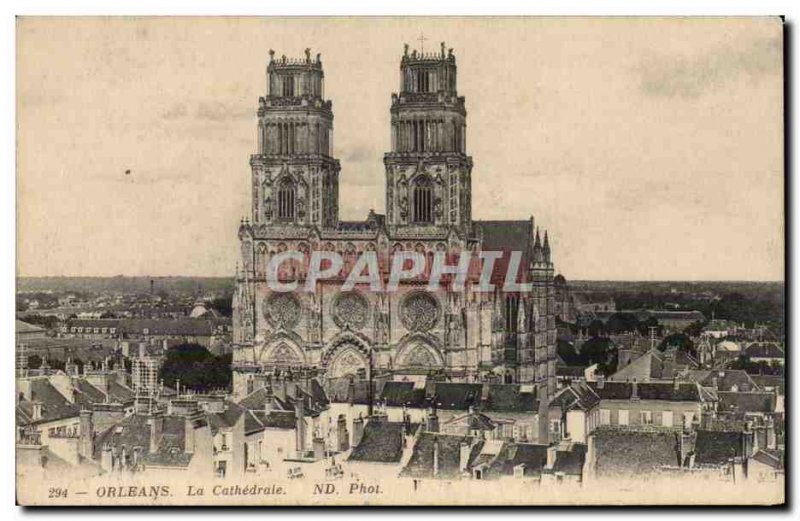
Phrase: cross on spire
{"type": "Point", "coordinates": [421, 40]}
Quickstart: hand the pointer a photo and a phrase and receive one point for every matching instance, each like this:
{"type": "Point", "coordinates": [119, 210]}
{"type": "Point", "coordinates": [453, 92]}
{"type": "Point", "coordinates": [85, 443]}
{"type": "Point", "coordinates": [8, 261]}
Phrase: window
{"type": "Point", "coordinates": [288, 86]}
{"type": "Point", "coordinates": [424, 83]}
{"type": "Point", "coordinates": [423, 200]}
{"type": "Point", "coordinates": [453, 196]}
{"type": "Point", "coordinates": [623, 417]}
{"type": "Point", "coordinates": [512, 306]}
{"type": "Point", "coordinates": [647, 417]}
{"type": "Point", "coordinates": [605, 417]}
{"type": "Point", "coordinates": [666, 418]}
{"type": "Point", "coordinates": [286, 200]}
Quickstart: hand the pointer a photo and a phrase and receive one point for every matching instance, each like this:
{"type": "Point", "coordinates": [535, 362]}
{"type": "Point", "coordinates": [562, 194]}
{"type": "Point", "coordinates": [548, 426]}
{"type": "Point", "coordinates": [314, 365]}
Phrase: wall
{"type": "Point", "coordinates": [656, 408]}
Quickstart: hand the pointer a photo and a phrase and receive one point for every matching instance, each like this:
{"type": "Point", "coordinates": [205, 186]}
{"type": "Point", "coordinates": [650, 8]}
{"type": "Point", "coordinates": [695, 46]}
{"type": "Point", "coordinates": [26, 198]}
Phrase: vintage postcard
{"type": "Point", "coordinates": [400, 261]}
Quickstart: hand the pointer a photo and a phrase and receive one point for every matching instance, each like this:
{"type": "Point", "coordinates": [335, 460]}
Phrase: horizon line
{"type": "Point", "coordinates": [765, 281]}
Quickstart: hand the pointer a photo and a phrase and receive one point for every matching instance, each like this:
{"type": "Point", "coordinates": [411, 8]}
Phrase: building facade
{"type": "Point", "coordinates": [467, 336]}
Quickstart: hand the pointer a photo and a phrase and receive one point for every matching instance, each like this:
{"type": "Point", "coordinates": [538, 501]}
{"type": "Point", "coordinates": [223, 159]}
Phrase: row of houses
{"type": "Point", "coordinates": [290, 425]}
{"type": "Point", "coordinates": [211, 332]}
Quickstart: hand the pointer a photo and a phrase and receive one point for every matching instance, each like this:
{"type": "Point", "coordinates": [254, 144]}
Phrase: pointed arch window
{"type": "Point", "coordinates": [286, 198]}
{"type": "Point", "coordinates": [512, 307]}
{"type": "Point", "coordinates": [423, 200]}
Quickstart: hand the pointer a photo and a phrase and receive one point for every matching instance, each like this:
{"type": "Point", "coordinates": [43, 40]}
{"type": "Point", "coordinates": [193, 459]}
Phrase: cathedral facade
{"type": "Point", "coordinates": [414, 332]}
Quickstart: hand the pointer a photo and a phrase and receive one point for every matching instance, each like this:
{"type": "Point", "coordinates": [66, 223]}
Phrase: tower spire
{"type": "Point", "coordinates": [295, 126]}
{"type": "Point", "coordinates": [428, 133]}
{"type": "Point", "coordinates": [537, 247]}
{"type": "Point", "coordinates": [546, 248]}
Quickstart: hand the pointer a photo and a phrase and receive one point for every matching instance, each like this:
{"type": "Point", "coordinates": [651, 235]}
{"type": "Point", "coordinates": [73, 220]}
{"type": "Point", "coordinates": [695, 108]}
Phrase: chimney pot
{"type": "Point", "coordinates": [156, 421]}
{"type": "Point", "coordinates": [435, 456]}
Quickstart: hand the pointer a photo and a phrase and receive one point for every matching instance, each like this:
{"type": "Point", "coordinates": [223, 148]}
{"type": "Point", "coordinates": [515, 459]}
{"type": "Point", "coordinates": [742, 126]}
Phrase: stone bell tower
{"type": "Point", "coordinates": [295, 177]}
{"type": "Point", "coordinates": [428, 169]}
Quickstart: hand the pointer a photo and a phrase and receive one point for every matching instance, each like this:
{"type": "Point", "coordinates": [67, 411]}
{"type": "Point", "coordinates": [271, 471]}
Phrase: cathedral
{"type": "Point", "coordinates": [413, 333]}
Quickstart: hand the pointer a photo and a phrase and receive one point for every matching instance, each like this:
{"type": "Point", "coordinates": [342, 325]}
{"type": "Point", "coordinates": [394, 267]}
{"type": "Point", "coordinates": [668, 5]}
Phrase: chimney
{"type": "Point", "coordinates": [351, 392]}
{"type": "Point", "coordinates": [86, 447]}
{"type": "Point", "coordinates": [463, 456]}
{"type": "Point", "coordinates": [682, 448]}
{"type": "Point", "coordinates": [300, 426]}
{"type": "Point", "coordinates": [749, 446]}
{"type": "Point", "coordinates": [358, 430]}
{"type": "Point", "coordinates": [715, 383]}
{"type": "Point", "coordinates": [634, 390]}
{"type": "Point", "coordinates": [433, 420]}
{"type": "Point", "coordinates": [107, 459]}
{"type": "Point", "coordinates": [305, 380]}
{"type": "Point", "coordinates": [36, 411]}
{"type": "Point", "coordinates": [341, 434]}
{"type": "Point", "coordinates": [291, 386]}
{"type": "Point", "coordinates": [188, 434]}
{"type": "Point", "coordinates": [772, 438]}
{"type": "Point", "coordinates": [268, 398]}
{"type": "Point", "coordinates": [435, 456]}
{"type": "Point", "coordinates": [156, 421]}
{"type": "Point", "coordinates": [551, 456]}
{"type": "Point", "coordinates": [318, 445]}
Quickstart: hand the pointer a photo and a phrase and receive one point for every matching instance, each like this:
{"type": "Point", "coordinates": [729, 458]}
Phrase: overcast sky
{"type": "Point", "coordinates": [651, 149]}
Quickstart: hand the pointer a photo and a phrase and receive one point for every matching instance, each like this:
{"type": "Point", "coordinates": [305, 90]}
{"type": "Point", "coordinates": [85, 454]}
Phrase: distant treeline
{"type": "Point", "coordinates": [629, 286]}
{"type": "Point", "coordinates": [93, 285]}
{"type": "Point", "coordinates": [766, 307]}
